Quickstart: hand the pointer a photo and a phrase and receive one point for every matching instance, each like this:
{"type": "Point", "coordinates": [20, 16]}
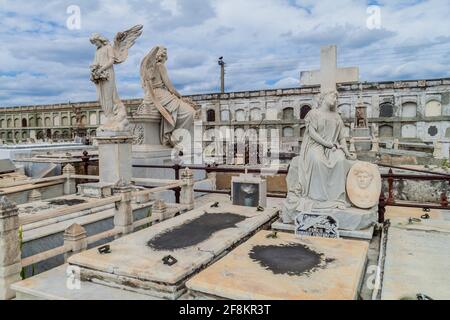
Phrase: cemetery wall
{"type": "Point", "coordinates": [409, 110]}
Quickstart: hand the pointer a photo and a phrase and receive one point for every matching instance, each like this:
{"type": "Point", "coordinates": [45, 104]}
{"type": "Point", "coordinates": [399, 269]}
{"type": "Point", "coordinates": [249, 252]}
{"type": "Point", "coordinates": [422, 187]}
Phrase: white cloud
{"type": "Point", "coordinates": [265, 43]}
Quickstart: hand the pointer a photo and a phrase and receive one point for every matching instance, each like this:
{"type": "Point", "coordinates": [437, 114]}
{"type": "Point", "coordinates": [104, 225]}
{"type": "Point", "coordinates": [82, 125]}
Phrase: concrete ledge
{"type": "Point", "coordinates": [365, 234]}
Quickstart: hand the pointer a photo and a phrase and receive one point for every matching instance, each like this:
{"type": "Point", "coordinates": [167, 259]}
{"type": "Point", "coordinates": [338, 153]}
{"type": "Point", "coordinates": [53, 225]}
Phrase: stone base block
{"type": "Point", "coordinates": [95, 190]}
{"type": "Point", "coordinates": [6, 292]}
{"type": "Point", "coordinates": [365, 234]}
{"type": "Point", "coordinates": [351, 218]}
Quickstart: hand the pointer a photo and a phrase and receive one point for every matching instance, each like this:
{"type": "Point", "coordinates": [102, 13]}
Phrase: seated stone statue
{"type": "Point", "coordinates": [317, 177]}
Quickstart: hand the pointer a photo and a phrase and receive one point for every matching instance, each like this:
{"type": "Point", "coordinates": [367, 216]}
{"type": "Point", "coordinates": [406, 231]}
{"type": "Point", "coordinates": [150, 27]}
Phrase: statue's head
{"type": "Point", "coordinates": [98, 40]}
{"type": "Point", "coordinates": [364, 178]}
{"type": "Point", "coordinates": [328, 100]}
{"type": "Point", "coordinates": [161, 55]}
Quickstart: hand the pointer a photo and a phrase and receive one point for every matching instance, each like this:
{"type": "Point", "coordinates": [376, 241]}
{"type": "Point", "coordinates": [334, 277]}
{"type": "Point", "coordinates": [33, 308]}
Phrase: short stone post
{"type": "Point", "coordinates": [69, 184]}
{"type": "Point", "coordinates": [396, 144]}
{"type": "Point", "coordinates": [10, 254]}
{"type": "Point", "coordinates": [159, 210]}
{"type": "Point", "coordinates": [123, 215]}
{"type": "Point", "coordinates": [437, 152]}
{"type": "Point", "coordinates": [187, 189]}
{"type": "Point", "coordinates": [352, 145]}
{"type": "Point", "coordinates": [212, 176]}
{"type": "Point", "coordinates": [34, 195]}
{"type": "Point", "coordinates": [75, 239]}
{"type": "Point", "coordinates": [375, 145]}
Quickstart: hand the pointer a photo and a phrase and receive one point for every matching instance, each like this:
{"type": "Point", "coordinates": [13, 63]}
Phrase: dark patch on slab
{"type": "Point", "coordinates": [66, 202]}
{"type": "Point", "coordinates": [195, 231]}
{"type": "Point", "coordinates": [292, 259]}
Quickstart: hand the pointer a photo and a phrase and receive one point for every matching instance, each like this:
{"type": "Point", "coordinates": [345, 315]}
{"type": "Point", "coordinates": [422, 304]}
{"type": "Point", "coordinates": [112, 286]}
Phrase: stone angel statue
{"type": "Point", "coordinates": [102, 74]}
{"type": "Point", "coordinates": [160, 94]}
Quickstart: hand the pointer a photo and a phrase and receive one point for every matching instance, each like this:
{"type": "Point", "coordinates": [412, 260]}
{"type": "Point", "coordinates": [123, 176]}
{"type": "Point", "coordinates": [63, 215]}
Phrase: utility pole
{"type": "Point", "coordinates": [222, 74]}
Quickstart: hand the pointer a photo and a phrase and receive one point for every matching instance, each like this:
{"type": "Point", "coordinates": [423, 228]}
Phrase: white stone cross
{"type": "Point", "coordinates": [329, 74]}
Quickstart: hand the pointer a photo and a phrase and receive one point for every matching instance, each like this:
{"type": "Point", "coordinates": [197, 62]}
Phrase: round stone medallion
{"type": "Point", "coordinates": [364, 185]}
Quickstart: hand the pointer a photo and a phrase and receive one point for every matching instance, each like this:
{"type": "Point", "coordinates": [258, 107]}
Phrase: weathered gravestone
{"type": "Point", "coordinates": [285, 267]}
{"type": "Point", "coordinates": [157, 261]}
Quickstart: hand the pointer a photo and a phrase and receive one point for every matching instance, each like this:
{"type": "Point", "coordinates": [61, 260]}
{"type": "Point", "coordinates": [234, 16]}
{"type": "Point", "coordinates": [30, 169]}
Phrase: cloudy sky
{"type": "Point", "coordinates": [265, 43]}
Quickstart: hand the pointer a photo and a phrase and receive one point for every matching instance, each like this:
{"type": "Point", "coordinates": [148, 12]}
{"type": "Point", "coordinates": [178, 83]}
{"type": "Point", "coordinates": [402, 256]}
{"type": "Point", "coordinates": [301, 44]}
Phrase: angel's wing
{"type": "Point", "coordinates": [125, 40]}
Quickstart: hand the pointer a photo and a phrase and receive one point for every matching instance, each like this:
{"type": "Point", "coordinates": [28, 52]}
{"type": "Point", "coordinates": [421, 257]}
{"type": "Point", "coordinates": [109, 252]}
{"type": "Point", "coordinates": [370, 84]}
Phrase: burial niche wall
{"type": "Point", "coordinates": [433, 108]}
{"type": "Point", "coordinates": [225, 115]}
{"type": "Point", "coordinates": [304, 111]}
{"type": "Point", "coordinates": [240, 115]}
{"type": "Point", "coordinates": [288, 132]}
{"type": "Point", "coordinates": [344, 110]}
{"type": "Point", "coordinates": [255, 114]}
{"type": "Point", "coordinates": [210, 115]}
{"type": "Point", "coordinates": [409, 131]}
{"type": "Point", "coordinates": [288, 113]}
{"type": "Point", "coordinates": [386, 131]}
{"type": "Point", "coordinates": [386, 110]}
{"type": "Point", "coordinates": [93, 118]}
{"type": "Point", "coordinates": [409, 110]}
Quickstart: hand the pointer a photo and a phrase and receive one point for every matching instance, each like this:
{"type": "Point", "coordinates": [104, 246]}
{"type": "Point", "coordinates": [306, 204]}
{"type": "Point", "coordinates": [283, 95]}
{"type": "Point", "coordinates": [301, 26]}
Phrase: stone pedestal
{"type": "Point", "coordinates": [114, 150]}
{"type": "Point", "coordinates": [123, 212]}
{"type": "Point", "coordinates": [9, 248]}
{"type": "Point", "coordinates": [75, 238]}
{"type": "Point", "coordinates": [362, 139]}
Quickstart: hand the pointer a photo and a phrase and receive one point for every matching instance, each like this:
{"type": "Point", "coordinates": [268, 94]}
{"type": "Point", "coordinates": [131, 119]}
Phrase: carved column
{"type": "Point", "coordinates": [187, 189]}
{"type": "Point", "coordinates": [69, 184]}
{"type": "Point", "coordinates": [123, 214]}
{"type": "Point", "coordinates": [75, 238]}
{"type": "Point", "coordinates": [159, 210]}
{"type": "Point", "coordinates": [10, 254]}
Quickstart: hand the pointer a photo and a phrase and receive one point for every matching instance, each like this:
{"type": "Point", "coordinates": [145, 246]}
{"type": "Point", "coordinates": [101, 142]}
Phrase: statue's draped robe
{"type": "Point", "coordinates": [317, 177]}
{"type": "Point", "coordinates": [107, 90]}
{"type": "Point", "coordinates": [182, 112]}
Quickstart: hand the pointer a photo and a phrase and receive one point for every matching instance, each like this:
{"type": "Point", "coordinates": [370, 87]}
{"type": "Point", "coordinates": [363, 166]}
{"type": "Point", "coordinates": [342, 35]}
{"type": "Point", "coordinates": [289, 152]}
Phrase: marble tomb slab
{"type": "Point", "coordinates": [52, 285]}
{"type": "Point", "coordinates": [286, 267]}
{"type": "Point", "coordinates": [417, 260]}
{"type": "Point", "coordinates": [194, 239]}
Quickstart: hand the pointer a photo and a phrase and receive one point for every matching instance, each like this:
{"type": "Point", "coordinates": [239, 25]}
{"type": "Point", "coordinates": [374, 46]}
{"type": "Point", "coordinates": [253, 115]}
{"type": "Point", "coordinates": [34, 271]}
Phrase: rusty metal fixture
{"type": "Point", "coordinates": [390, 187]}
{"type": "Point", "coordinates": [215, 205]}
{"type": "Point", "coordinates": [381, 207]}
{"type": "Point", "coordinates": [104, 249]}
{"type": "Point", "coordinates": [444, 199]}
{"type": "Point", "coordinates": [169, 260]}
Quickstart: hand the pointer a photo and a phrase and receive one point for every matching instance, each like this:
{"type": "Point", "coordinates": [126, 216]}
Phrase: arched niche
{"type": "Point", "coordinates": [386, 131]}
{"type": "Point", "coordinates": [288, 113]}
{"type": "Point", "coordinates": [304, 111]}
{"type": "Point", "coordinates": [255, 114]}
{"type": "Point", "coordinates": [210, 115]}
{"type": "Point", "coordinates": [93, 118]}
{"type": "Point", "coordinates": [225, 115]}
{"type": "Point", "coordinates": [240, 115]}
{"type": "Point", "coordinates": [288, 132]}
{"type": "Point", "coordinates": [409, 110]}
{"type": "Point", "coordinates": [386, 110]}
{"type": "Point", "coordinates": [433, 108]}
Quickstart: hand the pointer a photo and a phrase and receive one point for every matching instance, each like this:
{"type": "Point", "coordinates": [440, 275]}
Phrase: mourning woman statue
{"type": "Point", "coordinates": [159, 92]}
{"type": "Point", "coordinates": [317, 177]}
